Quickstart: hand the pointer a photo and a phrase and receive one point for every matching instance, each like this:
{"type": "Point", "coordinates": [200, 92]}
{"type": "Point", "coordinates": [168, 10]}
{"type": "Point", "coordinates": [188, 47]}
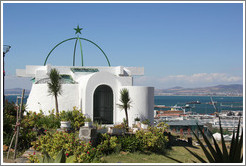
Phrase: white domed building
{"type": "Point", "coordinates": [94, 90]}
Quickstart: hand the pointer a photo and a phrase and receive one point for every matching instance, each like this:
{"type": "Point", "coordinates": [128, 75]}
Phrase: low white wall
{"type": "Point", "coordinates": [39, 98]}
{"type": "Point", "coordinates": [142, 103]}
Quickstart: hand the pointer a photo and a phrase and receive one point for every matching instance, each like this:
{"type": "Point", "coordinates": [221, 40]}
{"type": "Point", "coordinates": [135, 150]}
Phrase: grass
{"type": "Point", "coordinates": [175, 155]}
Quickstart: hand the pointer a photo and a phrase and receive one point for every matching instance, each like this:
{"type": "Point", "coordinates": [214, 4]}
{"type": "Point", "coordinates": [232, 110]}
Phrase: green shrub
{"type": "Point", "coordinates": [51, 121]}
{"type": "Point", "coordinates": [88, 120]}
{"type": "Point", "coordinates": [86, 153]}
{"type": "Point", "coordinates": [146, 121]}
{"type": "Point", "coordinates": [129, 143]}
{"type": "Point", "coordinates": [9, 119]}
{"type": "Point", "coordinates": [39, 120]}
{"type": "Point", "coordinates": [66, 115]}
{"type": "Point", "coordinates": [78, 119]}
{"type": "Point", "coordinates": [53, 143]}
{"type": "Point", "coordinates": [108, 144]}
{"type": "Point", "coordinates": [153, 139]}
{"type": "Point", "coordinates": [26, 135]}
{"type": "Point", "coordinates": [46, 158]}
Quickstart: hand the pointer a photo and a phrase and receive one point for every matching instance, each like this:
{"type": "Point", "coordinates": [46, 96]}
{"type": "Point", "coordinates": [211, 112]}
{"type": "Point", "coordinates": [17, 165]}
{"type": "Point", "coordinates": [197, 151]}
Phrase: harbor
{"type": "Point", "coordinates": [197, 109]}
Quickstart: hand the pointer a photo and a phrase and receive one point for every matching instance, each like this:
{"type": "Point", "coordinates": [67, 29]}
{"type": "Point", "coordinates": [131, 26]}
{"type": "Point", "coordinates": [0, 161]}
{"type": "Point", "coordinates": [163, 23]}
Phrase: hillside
{"type": "Point", "coordinates": [15, 91]}
{"type": "Point", "coordinates": [219, 90]}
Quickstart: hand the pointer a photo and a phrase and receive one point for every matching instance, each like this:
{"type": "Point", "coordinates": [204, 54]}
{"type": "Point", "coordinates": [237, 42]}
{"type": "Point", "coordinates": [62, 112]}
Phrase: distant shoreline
{"type": "Point", "coordinates": [202, 95]}
{"type": "Point", "coordinates": [158, 95]}
{"type": "Point", "coordinates": [15, 94]}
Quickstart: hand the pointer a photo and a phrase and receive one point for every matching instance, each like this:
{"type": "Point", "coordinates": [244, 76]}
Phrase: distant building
{"type": "Point", "coordinates": [185, 126]}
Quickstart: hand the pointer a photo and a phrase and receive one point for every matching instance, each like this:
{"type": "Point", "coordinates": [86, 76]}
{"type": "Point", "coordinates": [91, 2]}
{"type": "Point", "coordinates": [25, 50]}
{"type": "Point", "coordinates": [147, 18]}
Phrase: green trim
{"type": "Point", "coordinates": [74, 70]}
{"type": "Point", "coordinates": [81, 48]}
{"type": "Point", "coordinates": [99, 49]}
{"type": "Point", "coordinates": [55, 47]}
{"type": "Point", "coordinates": [82, 63]}
{"type": "Point", "coordinates": [33, 80]}
{"type": "Point", "coordinates": [74, 52]}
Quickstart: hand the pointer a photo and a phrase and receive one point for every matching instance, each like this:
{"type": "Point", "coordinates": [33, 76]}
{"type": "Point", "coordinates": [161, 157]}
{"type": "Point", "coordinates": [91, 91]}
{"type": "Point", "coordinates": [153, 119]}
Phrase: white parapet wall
{"type": "Point", "coordinates": [142, 103]}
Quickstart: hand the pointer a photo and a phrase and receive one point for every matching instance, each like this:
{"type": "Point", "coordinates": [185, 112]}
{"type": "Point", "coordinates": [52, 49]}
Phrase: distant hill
{"type": "Point", "coordinates": [16, 91]}
{"type": "Point", "coordinates": [219, 90]}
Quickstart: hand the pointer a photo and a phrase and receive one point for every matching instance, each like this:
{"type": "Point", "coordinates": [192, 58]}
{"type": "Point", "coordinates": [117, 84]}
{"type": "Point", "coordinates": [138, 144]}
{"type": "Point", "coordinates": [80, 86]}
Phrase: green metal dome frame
{"type": "Point", "coordinates": [77, 38]}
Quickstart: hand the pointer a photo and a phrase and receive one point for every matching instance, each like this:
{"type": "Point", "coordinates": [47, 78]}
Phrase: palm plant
{"type": "Point", "coordinates": [54, 86]}
{"type": "Point", "coordinates": [216, 155]}
{"type": "Point", "coordinates": [125, 104]}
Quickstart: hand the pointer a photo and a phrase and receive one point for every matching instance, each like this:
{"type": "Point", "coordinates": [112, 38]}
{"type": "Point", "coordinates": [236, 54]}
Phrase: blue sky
{"type": "Point", "coordinates": [189, 45]}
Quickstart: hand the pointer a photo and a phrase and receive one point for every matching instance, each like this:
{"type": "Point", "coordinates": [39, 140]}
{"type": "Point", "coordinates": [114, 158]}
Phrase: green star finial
{"type": "Point", "coordinates": [77, 30]}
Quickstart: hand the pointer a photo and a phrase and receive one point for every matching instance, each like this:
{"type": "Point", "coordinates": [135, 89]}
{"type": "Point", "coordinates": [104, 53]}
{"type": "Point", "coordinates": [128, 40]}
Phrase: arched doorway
{"type": "Point", "coordinates": [103, 105]}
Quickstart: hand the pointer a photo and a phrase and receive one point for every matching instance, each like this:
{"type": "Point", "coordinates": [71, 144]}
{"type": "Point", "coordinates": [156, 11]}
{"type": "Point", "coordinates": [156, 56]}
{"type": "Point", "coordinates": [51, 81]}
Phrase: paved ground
{"type": "Point", "coordinates": [23, 158]}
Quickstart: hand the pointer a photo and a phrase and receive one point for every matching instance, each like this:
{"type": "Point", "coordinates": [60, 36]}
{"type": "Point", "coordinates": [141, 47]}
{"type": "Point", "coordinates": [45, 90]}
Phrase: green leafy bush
{"type": "Point", "coordinates": [153, 139]}
{"type": "Point", "coordinates": [86, 153]}
{"type": "Point", "coordinates": [39, 120]}
{"type": "Point", "coordinates": [46, 158]}
{"type": "Point", "coordinates": [146, 121]}
{"type": "Point", "coordinates": [108, 144]}
{"type": "Point", "coordinates": [66, 115]}
{"type": "Point", "coordinates": [129, 143]}
{"type": "Point", "coordinates": [53, 143]}
{"type": "Point", "coordinates": [50, 121]}
{"type": "Point", "coordinates": [26, 135]}
{"type": "Point", "coordinates": [9, 119]}
{"type": "Point", "coordinates": [88, 120]}
{"type": "Point", "coordinates": [120, 126]}
{"type": "Point", "coordinates": [78, 119]}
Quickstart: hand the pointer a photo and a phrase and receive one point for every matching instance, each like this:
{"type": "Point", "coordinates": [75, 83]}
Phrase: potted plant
{"type": "Point", "coordinates": [102, 129]}
{"type": "Point", "coordinates": [145, 124]}
{"type": "Point", "coordinates": [88, 122]}
{"type": "Point", "coordinates": [137, 122]}
{"type": "Point", "coordinates": [135, 128]}
{"type": "Point", "coordinates": [117, 129]}
{"type": "Point", "coordinates": [65, 119]}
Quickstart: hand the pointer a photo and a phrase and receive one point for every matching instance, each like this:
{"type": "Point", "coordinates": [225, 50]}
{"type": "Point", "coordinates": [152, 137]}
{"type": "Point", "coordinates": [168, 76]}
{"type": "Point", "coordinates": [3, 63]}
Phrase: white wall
{"type": "Point", "coordinates": [142, 103]}
{"type": "Point", "coordinates": [39, 98]}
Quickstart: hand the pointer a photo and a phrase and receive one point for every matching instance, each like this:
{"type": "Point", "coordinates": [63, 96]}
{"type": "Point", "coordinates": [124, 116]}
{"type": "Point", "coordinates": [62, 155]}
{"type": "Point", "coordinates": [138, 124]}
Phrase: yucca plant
{"type": "Point", "coordinates": [215, 154]}
{"type": "Point", "coordinates": [125, 103]}
{"type": "Point", "coordinates": [54, 86]}
{"type": "Point", "coordinates": [60, 158]}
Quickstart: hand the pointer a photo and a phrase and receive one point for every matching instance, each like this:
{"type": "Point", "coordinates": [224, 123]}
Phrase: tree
{"type": "Point", "coordinates": [125, 103]}
{"type": "Point", "coordinates": [54, 86]}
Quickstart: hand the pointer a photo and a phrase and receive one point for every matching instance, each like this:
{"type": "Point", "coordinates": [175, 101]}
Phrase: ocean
{"type": "Point", "coordinates": [222, 103]}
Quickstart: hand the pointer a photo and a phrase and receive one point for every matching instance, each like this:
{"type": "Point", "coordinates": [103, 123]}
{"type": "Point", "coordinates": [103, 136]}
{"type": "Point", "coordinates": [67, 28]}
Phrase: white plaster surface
{"type": "Point", "coordinates": [39, 98]}
{"type": "Point", "coordinates": [81, 93]}
{"type": "Point", "coordinates": [142, 105]}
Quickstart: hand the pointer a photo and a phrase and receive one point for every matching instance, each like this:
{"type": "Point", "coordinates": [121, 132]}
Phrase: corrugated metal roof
{"type": "Point", "coordinates": [184, 123]}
